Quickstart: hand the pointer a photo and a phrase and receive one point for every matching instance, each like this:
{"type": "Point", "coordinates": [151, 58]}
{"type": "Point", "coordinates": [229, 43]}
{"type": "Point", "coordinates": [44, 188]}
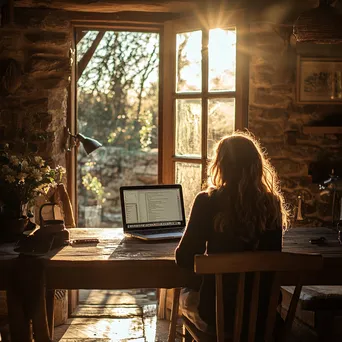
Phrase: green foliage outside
{"type": "Point", "coordinates": [93, 184]}
{"type": "Point", "coordinates": [117, 100]}
{"type": "Point", "coordinates": [118, 89]}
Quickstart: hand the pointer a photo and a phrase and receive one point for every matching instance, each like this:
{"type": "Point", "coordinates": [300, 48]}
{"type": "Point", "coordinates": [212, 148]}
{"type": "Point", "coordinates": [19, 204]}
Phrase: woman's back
{"type": "Point", "coordinates": [243, 210]}
{"type": "Point", "coordinates": [200, 234]}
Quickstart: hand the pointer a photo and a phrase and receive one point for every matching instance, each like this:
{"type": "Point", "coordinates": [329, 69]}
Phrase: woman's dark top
{"type": "Point", "coordinates": [200, 237]}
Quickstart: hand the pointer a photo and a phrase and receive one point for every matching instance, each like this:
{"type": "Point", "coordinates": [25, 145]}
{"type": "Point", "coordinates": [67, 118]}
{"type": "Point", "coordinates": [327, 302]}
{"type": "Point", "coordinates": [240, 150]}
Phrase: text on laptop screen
{"type": "Point", "coordinates": [152, 207]}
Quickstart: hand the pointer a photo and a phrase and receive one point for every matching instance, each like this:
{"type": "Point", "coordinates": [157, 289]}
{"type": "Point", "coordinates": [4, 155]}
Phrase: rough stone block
{"type": "Point", "coordinates": [267, 129]}
{"type": "Point", "coordinates": [287, 89]}
{"type": "Point", "coordinates": [48, 82]}
{"type": "Point", "coordinates": [10, 102]}
{"type": "Point", "coordinates": [10, 39]}
{"type": "Point", "coordinates": [262, 79]}
{"type": "Point", "coordinates": [41, 121]}
{"type": "Point", "coordinates": [266, 97]}
{"type": "Point", "coordinates": [45, 19]}
{"type": "Point", "coordinates": [43, 64]}
{"type": "Point", "coordinates": [48, 37]}
{"type": "Point", "coordinates": [290, 167]}
{"type": "Point", "coordinates": [274, 113]}
{"type": "Point", "coordinates": [35, 103]}
{"type": "Point", "coordinates": [58, 99]}
{"type": "Point", "coordinates": [47, 52]}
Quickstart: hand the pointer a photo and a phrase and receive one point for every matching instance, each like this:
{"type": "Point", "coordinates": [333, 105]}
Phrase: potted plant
{"type": "Point", "coordinates": [22, 179]}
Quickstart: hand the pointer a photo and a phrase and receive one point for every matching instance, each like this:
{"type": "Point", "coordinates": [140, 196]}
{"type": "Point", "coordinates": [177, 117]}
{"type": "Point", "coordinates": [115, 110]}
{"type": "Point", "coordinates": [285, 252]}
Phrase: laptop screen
{"type": "Point", "coordinates": [147, 207]}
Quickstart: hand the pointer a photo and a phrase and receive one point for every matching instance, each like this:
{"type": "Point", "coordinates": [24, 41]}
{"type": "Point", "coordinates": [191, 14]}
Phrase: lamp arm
{"type": "Point", "coordinates": [70, 145]}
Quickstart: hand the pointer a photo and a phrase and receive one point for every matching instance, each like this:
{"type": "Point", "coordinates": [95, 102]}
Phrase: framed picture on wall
{"type": "Point", "coordinates": [319, 80]}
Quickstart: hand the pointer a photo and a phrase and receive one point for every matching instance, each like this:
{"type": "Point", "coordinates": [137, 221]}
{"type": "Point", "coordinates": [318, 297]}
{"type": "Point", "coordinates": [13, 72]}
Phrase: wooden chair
{"type": "Point", "coordinates": [276, 263]}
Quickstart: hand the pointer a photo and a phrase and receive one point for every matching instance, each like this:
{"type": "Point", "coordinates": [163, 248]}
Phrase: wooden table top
{"type": "Point", "coordinates": [125, 261]}
{"type": "Point", "coordinates": [114, 246]}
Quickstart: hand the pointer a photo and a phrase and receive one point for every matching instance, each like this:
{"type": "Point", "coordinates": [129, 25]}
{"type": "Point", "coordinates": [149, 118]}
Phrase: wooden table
{"type": "Point", "coordinates": [122, 263]}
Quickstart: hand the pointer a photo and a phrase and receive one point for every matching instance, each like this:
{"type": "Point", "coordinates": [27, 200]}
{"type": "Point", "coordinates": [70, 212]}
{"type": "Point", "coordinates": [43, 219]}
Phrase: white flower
{"type": "Point", "coordinates": [10, 179]}
{"type": "Point", "coordinates": [60, 169]}
{"type": "Point", "coordinates": [46, 169]}
{"type": "Point", "coordinates": [24, 165]}
{"type": "Point", "coordinates": [37, 175]}
{"type": "Point", "coordinates": [14, 160]}
{"type": "Point", "coordinates": [39, 161]}
{"type": "Point", "coordinates": [21, 176]}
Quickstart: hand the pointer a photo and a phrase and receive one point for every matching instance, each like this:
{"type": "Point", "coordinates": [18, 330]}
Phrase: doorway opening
{"type": "Point", "coordinates": [117, 97]}
{"type": "Point", "coordinates": [117, 104]}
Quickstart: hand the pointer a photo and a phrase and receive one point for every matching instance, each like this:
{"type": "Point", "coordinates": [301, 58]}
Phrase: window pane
{"type": "Point", "coordinates": [188, 127]}
{"type": "Point", "coordinates": [221, 121]}
{"type": "Point", "coordinates": [118, 106]}
{"type": "Point", "coordinates": [222, 59]}
{"type": "Point", "coordinates": [189, 176]}
{"type": "Point", "coordinates": [189, 61]}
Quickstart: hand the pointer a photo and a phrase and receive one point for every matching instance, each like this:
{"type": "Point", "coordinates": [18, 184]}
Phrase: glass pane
{"type": "Point", "coordinates": [189, 176]}
{"type": "Point", "coordinates": [189, 61]}
{"type": "Point", "coordinates": [188, 127]}
{"type": "Point", "coordinates": [118, 106]}
{"type": "Point", "coordinates": [221, 121]}
{"type": "Point", "coordinates": [222, 59]}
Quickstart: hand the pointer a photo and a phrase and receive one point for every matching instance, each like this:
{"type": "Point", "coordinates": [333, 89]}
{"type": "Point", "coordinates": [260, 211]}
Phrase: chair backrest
{"type": "Point", "coordinates": [256, 262]}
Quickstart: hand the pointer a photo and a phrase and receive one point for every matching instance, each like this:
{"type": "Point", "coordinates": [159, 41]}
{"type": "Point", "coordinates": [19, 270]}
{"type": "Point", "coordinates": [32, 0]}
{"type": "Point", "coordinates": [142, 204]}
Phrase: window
{"type": "Point", "coordinates": [203, 96]}
{"type": "Point", "coordinates": [117, 104]}
{"type": "Point", "coordinates": [202, 92]}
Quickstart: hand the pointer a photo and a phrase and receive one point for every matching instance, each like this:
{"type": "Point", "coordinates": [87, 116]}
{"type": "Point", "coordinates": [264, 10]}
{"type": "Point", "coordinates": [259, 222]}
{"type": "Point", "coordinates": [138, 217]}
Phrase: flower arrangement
{"type": "Point", "coordinates": [22, 179]}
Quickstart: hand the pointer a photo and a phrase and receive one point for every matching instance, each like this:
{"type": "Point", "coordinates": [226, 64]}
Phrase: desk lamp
{"type": "Point", "coordinates": [89, 144]}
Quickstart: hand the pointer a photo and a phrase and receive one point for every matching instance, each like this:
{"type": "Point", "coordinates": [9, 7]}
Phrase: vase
{"type": "Point", "coordinates": [13, 221]}
{"type": "Point", "coordinates": [11, 229]}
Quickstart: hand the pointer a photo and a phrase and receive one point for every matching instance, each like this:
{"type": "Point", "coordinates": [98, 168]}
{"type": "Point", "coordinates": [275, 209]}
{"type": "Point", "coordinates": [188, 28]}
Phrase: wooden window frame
{"type": "Point", "coordinates": [72, 116]}
{"type": "Point", "coordinates": [166, 119]}
{"type": "Point", "coordinates": [229, 19]}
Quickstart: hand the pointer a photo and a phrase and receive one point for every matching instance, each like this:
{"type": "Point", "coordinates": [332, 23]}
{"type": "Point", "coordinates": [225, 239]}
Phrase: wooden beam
{"type": "Point", "coordinates": [80, 35]}
{"type": "Point", "coordinates": [112, 6]}
{"type": "Point", "coordinates": [23, 15]}
{"type": "Point", "coordinates": [131, 17]}
{"type": "Point", "coordinates": [82, 64]}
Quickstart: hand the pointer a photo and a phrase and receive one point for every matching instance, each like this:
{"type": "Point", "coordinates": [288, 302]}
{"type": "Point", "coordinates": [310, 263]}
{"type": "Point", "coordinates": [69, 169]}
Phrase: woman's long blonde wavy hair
{"type": "Point", "coordinates": [250, 197]}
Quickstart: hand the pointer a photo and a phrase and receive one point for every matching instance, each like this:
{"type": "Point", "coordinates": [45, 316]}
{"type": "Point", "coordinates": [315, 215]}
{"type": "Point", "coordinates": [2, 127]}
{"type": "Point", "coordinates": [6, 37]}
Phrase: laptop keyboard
{"type": "Point", "coordinates": [160, 231]}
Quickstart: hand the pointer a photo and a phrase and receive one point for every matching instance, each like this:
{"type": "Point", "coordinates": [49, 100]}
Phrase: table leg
{"type": "Point", "coordinates": [162, 303]}
{"type": "Point", "coordinates": [50, 306]}
{"type": "Point", "coordinates": [174, 315]}
{"type": "Point", "coordinates": [40, 318]}
{"type": "Point", "coordinates": [19, 322]}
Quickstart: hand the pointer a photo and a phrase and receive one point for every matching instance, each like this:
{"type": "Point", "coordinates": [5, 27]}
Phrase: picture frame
{"type": "Point", "coordinates": [319, 80]}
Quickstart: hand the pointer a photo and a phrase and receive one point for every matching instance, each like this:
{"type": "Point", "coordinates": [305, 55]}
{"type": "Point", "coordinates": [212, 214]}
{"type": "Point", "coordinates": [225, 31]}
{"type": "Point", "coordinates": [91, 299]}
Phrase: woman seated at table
{"type": "Point", "coordinates": [242, 210]}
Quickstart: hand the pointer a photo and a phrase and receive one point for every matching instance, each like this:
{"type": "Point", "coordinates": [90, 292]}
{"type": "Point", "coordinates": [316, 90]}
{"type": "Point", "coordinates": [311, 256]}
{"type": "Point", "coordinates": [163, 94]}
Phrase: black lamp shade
{"type": "Point", "coordinates": [89, 144]}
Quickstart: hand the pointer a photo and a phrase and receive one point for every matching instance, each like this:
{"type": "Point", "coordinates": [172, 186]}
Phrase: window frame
{"type": "Point", "coordinates": [200, 21]}
{"type": "Point", "coordinates": [72, 117]}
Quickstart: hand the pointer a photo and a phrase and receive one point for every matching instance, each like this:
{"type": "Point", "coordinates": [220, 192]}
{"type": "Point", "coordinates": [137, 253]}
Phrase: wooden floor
{"type": "Point", "coordinates": [105, 315]}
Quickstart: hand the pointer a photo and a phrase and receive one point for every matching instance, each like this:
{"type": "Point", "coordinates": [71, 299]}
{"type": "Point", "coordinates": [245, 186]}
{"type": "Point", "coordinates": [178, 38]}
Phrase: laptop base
{"type": "Point", "coordinates": [156, 237]}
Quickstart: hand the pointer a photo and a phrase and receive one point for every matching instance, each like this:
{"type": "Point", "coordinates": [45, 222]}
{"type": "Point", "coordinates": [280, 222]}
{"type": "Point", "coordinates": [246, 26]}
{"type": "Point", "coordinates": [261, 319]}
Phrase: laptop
{"type": "Point", "coordinates": [153, 212]}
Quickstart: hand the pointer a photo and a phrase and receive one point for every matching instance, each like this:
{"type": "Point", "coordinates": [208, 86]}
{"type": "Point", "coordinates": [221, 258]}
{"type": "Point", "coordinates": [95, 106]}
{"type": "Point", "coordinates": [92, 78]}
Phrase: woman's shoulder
{"type": "Point", "coordinates": [202, 196]}
{"type": "Point", "coordinates": [205, 196]}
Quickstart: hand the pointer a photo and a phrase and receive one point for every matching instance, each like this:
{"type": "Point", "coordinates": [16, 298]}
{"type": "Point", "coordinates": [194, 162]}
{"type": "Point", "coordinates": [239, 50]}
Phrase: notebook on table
{"type": "Point", "coordinates": [153, 212]}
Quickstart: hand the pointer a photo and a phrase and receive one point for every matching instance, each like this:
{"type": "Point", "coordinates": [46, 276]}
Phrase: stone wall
{"type": "Point", "coordinates": [33, 113]}
{"type": "Point", "coordinates": [34, 80]}
{"type": "Point", "coordinates": [278, 120]}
